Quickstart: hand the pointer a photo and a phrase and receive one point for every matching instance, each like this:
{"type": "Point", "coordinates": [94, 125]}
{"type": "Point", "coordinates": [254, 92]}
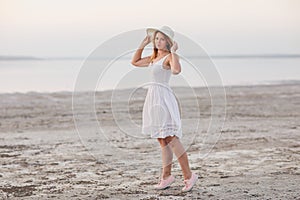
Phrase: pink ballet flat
{"type": "Point", "coordinates": [163, 184]}
{"type": "Point", "coordinates": [189, 183]}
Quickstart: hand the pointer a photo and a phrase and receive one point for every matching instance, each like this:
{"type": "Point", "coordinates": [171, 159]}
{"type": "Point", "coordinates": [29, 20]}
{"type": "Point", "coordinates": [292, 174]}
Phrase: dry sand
{"type": "Point", "coordinates": [257, 155]}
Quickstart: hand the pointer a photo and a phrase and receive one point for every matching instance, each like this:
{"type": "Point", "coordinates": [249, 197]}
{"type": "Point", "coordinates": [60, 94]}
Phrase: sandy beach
{"type": "Point", "coordinates": [257, 155]}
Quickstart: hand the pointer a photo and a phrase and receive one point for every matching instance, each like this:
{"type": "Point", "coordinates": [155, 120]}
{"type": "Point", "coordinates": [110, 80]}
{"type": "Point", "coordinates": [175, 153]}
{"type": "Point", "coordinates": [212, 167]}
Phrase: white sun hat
{"type": "Point", "coordinates": [165, 30]}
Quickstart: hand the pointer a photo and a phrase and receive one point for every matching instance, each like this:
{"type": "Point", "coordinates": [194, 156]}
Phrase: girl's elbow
{"type": "Point", "coordinates": [176, 71]}
{"type": "Point", "coordinates": [134, 63]}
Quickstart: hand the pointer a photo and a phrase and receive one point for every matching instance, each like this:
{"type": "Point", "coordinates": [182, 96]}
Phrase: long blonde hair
{"type": "Point", "coordinates": [155, 50]}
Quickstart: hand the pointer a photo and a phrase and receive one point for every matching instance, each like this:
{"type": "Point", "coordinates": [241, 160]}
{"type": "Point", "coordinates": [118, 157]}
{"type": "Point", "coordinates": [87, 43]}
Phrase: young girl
{"type": "Point", "coordinates": [161, 117]}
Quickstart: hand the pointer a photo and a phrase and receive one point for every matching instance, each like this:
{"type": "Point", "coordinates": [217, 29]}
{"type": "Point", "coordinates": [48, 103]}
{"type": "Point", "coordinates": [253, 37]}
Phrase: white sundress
{"type": "Point", "coordinates": [161, 116]}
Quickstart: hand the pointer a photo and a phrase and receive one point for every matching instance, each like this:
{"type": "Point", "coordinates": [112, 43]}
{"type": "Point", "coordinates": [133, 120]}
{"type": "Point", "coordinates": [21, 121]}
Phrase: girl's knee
{"type": "Point", "coordinates": [162, 142]}
{"type": "Point", "coordinates": [170, 139]}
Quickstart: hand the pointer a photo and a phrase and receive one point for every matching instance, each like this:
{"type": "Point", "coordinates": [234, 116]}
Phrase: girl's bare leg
{"type": "Point", "coordinates": [181, 155]}
{"type": "Point", "coordinates": [167, 158]}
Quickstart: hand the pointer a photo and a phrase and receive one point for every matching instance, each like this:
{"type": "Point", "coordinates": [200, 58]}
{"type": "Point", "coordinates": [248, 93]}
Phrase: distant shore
{"type": "Point", "coordinates": [220, 56]}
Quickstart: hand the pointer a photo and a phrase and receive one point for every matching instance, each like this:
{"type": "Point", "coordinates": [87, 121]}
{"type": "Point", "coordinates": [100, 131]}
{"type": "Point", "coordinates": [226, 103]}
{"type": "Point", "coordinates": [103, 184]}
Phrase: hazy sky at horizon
{"type": "Point", "coordinates": [75, 28]}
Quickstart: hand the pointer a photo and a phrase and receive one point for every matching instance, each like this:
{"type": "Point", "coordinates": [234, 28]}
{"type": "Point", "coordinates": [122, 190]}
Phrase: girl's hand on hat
{"type": "Point", "coordinates": [145, 41]}
{"type": "Point", "coordinates": [174, 47]}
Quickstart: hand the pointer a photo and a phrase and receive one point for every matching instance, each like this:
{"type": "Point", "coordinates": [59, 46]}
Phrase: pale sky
{"type": "Point", "coordinates": [67, 28]}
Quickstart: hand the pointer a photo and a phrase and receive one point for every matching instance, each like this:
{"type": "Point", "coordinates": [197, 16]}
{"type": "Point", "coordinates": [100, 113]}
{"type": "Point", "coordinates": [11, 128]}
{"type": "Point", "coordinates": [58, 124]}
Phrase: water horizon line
{"type": "Point", "coordinates": [213, 56]}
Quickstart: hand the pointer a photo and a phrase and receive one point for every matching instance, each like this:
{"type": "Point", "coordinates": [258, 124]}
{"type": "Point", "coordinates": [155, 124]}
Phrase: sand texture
{"type": "Point", "coordinates": [257, 155]}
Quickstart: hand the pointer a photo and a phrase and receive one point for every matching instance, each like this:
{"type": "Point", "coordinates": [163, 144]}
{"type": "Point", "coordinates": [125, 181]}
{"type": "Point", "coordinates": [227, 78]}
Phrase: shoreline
{"type": "Point", "coordinates": [259, 84]}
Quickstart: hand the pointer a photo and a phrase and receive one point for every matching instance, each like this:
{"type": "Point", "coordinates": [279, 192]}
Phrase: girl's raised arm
{"type": "Point", "coordinates": [175, 64]}
{"type": "Point", "coordinates": [136, 59]}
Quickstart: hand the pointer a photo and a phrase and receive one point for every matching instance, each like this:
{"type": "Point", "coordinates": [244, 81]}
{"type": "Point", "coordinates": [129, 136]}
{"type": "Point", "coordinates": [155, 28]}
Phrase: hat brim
{"type": "Point", "coordinates": [150, 32]}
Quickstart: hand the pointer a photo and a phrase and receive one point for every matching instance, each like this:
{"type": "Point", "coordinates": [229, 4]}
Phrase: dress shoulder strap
{"type": "Point", "coordinates": [163, 58]}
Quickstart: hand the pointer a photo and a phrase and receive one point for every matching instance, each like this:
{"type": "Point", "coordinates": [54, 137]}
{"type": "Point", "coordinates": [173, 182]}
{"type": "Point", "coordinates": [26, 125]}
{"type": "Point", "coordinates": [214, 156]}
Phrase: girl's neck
{"type": "Point", "coordinates": [162, 53]}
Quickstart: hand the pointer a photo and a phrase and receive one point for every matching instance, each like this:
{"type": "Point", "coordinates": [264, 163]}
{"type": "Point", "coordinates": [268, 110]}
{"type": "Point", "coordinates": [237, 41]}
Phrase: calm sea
{"type": "Point", "coordinates": [61, 74]}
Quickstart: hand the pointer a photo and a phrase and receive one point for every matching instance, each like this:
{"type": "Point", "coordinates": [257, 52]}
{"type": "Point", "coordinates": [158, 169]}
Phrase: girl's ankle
{"type": "Point", "coordinates": [166, 176]}
{"type": "Point", "coordinates": [188, 176]}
